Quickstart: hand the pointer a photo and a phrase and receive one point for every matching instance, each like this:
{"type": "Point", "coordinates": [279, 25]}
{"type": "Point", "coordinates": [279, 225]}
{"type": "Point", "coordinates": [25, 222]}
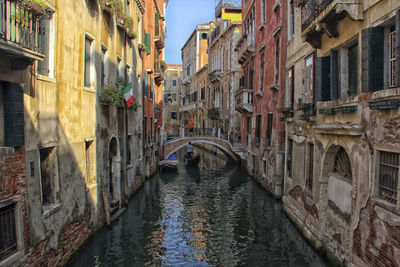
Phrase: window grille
{"type": "Point", "coordinates": [388, 176]}
{"type": "Point", "coordinates": [8, 235]}
{"type": "Point", "coordinates": [342, 164]}
{"type": "Point", "coordinates": [392, 59]}
{"type": "Point", "coordinates": [310, 169]}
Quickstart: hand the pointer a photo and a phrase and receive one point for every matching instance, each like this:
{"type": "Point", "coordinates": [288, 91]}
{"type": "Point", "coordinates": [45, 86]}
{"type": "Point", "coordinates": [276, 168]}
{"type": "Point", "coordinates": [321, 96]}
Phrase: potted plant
{"type": "Point", "coordinates": [131, 34]}
{"type": "Point", "coordinates": [35, 6]}
{"type": "Point", "coordinates": [142, 47]}
{"type": "Point", "coordinates": [164, 65]}
{"type": "Point", "coordinates": [111, 95]}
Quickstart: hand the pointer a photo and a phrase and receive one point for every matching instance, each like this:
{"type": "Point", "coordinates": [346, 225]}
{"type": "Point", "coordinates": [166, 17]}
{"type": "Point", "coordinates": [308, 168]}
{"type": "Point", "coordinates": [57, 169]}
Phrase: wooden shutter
{"type": "Point", "coordinates": [353, 70]}
{"type": "Point", "coordinates": [44, 31]}
{"type": "Point", "coordinates": [334, 74]}
{"type": "Point", "coordinates": [372, 59]}
{"type": "Point", "coordinates": [148, 42]}
{"type": "Point", "coordinates": [322, 78]}
{"type": "Point", "coordinates": [398, 46]}
{"type": "Point", "coordinates": [13, 115]}
{"type": "Point", "coordinates": [157, 24]}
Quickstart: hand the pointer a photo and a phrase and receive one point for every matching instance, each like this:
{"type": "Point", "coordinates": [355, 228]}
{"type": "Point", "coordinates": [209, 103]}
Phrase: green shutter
{"type": "Point", "coordinates": [372, 59]}
{"type": "Point", "coordinates": [157, 24]}
{"type": "Point", "coordinates": [13, 115]}
{"type": "Point", "coordinates": [398, 46]}
{"type": "Point", "coordinates": [148, 43]}
{"type": "Point", "coordinates": [335, 94]}
{"type": "Point", "coordinates": [322, 79]}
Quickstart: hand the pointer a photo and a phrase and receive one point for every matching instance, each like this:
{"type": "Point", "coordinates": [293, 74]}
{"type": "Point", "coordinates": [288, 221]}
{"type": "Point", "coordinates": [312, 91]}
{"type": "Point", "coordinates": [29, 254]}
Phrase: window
{"type": "Point", "coordinates": [146, 85]}
{"type": "Point", "coordinates": [174, 98]}
{"type": "Point", "coordinates": [277, 51]}
{"type": "Point", "coordinates": [173, 82]}
{"type": "Point", "coordinates": [129, 146]}
{"type": "Point", "coordinates": [204, 35]}
{"type": "Point", "coordinates": [151, 128]}
{"type": "Point", "coordinates": [104, 65]}
{"type": "Point", "coordinates": [289, 94]}
{"type": "Point", "coordinates": [353, 71]}
{"type": "Point", "coordinates": [88, 61]}
{"type": "Point", "coordinates": [119, 72]}
{"type": "Point", "coordinates": [11, 115]}
{"type": "Point", "coordinates": [258, 129]}
{"type": "Point", "coordinates": [289, 158]}
{"type": "Point", "coordinates": [388, 176]}
{"type": "Point", "coordinates": [291, 19]}
{"type": "Point", "coordinates": [90, 155]}
{"type": "Point", "coordinates": [342, 164]}
{"type": "Point", "coordinates": [173, 115]}
{"type": "Point", "coordinates": [270, 118]}
{"type": "Point", "coordinates": [261, 79]}
{"type": "Point", "coordinates": [308, 79]}
{"type": "Point", "coordinates": [145, 128]}
{"type": "Point", "coordinates": [151, 88]}
{"type": "Point", "coordinates": [48, 171]}
{"type": "Point", "coordinates": [46, 45]}
{"type": "Point", "coordinates": [8, 232]}
{"type": "Point", "coordinates": [263, 11]}
{"type": "Point", "coordinates": [310, 167]}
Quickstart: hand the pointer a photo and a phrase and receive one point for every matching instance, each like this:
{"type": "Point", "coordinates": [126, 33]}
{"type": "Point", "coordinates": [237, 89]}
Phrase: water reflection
{"type": "Point", "coordinates": [212, 215]}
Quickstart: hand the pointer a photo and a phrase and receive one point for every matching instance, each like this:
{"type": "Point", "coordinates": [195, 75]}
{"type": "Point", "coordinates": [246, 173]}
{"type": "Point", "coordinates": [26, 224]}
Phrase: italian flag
{"type": "Point", "coordinates": [128, 95]}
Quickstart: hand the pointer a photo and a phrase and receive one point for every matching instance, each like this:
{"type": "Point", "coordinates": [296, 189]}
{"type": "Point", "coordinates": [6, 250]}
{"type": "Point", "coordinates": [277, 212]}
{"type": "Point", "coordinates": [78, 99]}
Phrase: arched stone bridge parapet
{"type": "Point", "coordinates": [174, 145]}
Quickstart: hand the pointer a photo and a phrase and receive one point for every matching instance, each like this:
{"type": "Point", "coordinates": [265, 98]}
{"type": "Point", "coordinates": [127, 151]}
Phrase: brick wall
{"type": "Point", "coordinates": [13, 182]}
{"type": "Point", "coordinates": [375, 241]}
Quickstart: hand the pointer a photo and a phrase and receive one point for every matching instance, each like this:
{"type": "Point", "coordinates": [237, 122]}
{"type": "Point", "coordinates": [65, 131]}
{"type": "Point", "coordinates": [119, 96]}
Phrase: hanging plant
{"type": "Point", "coordinates": [142, 47]}
{"type": "Point", "coordinates": [128, 21]}
{"type": "Point", "coordinates": [111, 95]}
{"type": "Point", "coordinates": [164, 65]}
{"type": "Point", "coordinates": [131, 34]}
{"type": "Point", "coordinates": [35, 6]}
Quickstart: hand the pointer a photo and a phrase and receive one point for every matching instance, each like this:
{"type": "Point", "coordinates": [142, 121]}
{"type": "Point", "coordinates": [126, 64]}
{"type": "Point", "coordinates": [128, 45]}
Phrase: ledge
{"type": "Point", "coordinates": [45, 78]}
{"type": "Point", "coordinates": [351, 130]}
{"type": "Point", "coordinates": [387, 216]}
{"type": "Point", "coordinates": [386, 93]}
{"type": "Point", "coordinates": [50, 210]}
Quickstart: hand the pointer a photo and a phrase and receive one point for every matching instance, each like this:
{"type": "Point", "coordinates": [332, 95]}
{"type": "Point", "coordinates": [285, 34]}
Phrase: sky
{"type": "Point", "coordinates": [182, 16]}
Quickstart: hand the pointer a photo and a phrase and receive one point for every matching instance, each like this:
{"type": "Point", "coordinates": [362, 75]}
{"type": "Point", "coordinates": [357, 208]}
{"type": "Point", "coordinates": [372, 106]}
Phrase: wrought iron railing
{"type": "Point", "coordinates": [311, 9]}
{"type": "Point", "coordinates": [19, 23]}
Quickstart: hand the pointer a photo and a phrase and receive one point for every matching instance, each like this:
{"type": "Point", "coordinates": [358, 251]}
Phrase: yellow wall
{"type": "Point", "coordinates": [234, 17]}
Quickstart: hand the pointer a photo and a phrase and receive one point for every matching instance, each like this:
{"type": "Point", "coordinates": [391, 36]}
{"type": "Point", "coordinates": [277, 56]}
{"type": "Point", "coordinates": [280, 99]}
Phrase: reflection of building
{"type": "Point", "coordinates": [172, 91]}
{"type": "Point", "coordinates": [341, 114]}
{"type": "Point", "coordinates": [194, 59]}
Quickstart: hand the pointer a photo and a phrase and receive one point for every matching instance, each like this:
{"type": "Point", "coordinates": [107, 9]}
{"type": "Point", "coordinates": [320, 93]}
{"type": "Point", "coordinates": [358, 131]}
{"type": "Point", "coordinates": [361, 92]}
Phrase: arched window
{"type": "Point", "coordinates": [342, 164]}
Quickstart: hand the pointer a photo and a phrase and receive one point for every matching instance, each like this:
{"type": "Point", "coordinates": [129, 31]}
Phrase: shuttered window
{"type": "Point", "coordinates": [393, 58]}
{"type": "Point", "coordinates": [13, 115]}
{"type": "Point", "coordinates": [147, 42]}
{"type": "Point", "coordinates": [322, 78]}
{"type": "Point", "coordinates": [353, 70]}
{"type": "Point", "coordinates": [372, 59]}
{"type": "Point", "coordinates": [335, 93]}
{"type": "Point", "coordinates": [146, 85]}
{"type": "Point", "coordinates": [157, 24]}
{"type": "Point", "coordinates": [151, 88]}
{"type": "Point", "coordinates": [88, 45]}
{"type": "Point", "coordinates": [270, 118]}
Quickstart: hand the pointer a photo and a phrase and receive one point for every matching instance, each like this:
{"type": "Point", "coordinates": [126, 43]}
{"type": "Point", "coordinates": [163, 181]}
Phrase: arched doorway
{"type": "Point", "coordinates": [114, 171]}
{"type": "Point", "coordinates": [337, 197]}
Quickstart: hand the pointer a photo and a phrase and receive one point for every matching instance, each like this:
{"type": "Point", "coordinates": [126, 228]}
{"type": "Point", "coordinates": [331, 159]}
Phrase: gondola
{"type": "Point", "coordinates": [192, 159]}
{"type": "Point", "coordinates": [169, 164]}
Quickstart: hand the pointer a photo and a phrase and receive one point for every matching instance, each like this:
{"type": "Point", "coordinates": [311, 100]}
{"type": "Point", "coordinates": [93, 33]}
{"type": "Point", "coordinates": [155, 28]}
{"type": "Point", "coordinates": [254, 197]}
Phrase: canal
{"type": "Point", "coordinates": [212, 215]}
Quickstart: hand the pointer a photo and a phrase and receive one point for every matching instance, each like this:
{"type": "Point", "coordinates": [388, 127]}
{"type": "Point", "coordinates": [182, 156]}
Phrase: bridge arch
{"type": "Point", "coordinates": [223, 145]}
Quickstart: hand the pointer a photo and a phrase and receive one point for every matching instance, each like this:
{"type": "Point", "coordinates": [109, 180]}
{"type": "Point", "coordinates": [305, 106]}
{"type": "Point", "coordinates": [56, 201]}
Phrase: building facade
{"type": "Point", "coordinates": [341, 104]}
{"type": "Point", "coordinates": [194, 58]}
{"type": "Point", "coordinates": [70, 156]}
{"type": "Point", "coordinates": [172, 100]}
{"type": "Point", "coordinates": [153, 76]}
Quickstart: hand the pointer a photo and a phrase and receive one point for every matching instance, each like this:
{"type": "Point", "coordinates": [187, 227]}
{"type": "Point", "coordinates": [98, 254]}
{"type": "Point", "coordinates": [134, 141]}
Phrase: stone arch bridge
{"type": "Point", "coordinates": [174, 145]}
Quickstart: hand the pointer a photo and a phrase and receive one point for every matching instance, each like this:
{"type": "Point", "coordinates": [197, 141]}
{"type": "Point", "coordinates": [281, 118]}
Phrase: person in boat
{"type": "Point", "coordinates": [189, 149]}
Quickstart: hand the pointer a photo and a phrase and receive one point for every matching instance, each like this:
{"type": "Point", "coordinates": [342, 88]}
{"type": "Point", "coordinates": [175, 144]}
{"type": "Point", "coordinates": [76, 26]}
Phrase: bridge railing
{"type": "Point", "coordinates": [233, 138]}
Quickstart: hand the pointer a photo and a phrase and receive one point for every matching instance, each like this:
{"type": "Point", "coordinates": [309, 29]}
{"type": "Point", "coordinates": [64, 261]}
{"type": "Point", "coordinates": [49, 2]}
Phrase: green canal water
{"type": "Point", "coordinates": [210, 215]}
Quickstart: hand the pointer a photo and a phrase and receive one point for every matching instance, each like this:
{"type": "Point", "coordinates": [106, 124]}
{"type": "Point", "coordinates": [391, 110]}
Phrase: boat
{"type": "Point", "coordinates": [170, 163]}
{"type": "Point", "coordinates": [192, 160]}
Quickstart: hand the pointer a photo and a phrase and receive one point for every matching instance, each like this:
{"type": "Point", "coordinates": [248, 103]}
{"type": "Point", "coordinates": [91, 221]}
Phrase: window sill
{"type": "Point", "coordinates": [89, 89]}
{"type": "Point", "coordinates": [386, 93]}
{"type": "Point", "coordinates": [387, 212]}
{"type": "Point", "coordinates": [274, 87]}
{"type": "Point", "coordinates": [45, 78]}
{"type": "Point", "coordinates": [11, 260]}
{"type": "Point", "coordinates": [338, 102]}
{"type": "Point", "coordinates": [49, 210]}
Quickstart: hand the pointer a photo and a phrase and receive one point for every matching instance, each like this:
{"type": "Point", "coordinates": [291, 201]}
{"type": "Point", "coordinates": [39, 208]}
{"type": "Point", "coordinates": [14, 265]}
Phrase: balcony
{"type": "Point", "coordinates": [158, 71]}
{"type": "Point", "coordinates": [244, 100]}
{"type": "Point", "coordinates": [246, 47]}
{"type": "Point", "coordinates": [322, 16]}
{"type": "Point", "coordinates": [19, 29]}
{"type": "Point", "coordinates": [227, 4]}
{"type": "Point", "coordinates": [189, 107]}
{"type": "Point", "coordinates": [215, 75]}
{"type": "Point", "coordinates": [160, 39]}
{"type": "Point", "coordinates": [186, 79]}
